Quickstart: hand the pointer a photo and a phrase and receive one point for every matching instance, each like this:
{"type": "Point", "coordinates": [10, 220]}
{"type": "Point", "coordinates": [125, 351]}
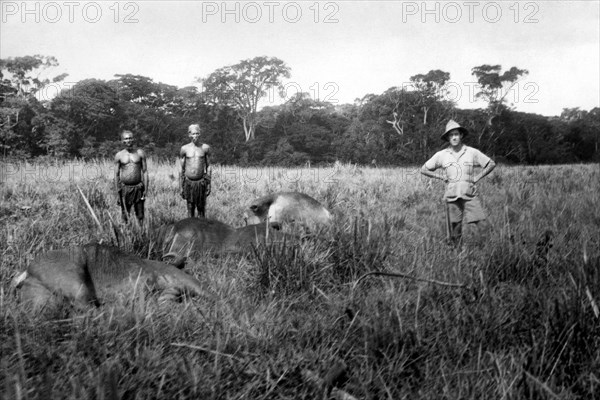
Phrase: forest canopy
{"type": "Point", "coordinates": [397, 127]}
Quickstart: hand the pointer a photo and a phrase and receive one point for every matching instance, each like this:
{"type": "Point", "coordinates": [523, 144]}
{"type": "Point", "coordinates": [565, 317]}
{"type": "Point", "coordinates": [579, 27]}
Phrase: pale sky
{"type": "Point", "coordinates": [337, 51]}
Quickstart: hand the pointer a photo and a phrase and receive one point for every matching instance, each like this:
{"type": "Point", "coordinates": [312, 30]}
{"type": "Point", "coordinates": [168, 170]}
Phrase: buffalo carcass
{"type": "Point", "coordinates": [191, 237]}
{"type": "Point", "coordinates": [92, 273]}
{"type": "Point", "coordinates": [288, 207]}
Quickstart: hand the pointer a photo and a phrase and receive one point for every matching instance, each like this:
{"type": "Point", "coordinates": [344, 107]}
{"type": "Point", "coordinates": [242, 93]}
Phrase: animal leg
{"type": "Point", "coordinates": [169, 294]}
{"type": "Point", "coordinates": [35, 296]}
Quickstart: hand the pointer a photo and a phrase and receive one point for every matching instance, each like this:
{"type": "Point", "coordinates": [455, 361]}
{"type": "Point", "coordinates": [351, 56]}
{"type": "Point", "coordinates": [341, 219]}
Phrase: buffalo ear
{"type": "Point", "coordinates": [175, 260]}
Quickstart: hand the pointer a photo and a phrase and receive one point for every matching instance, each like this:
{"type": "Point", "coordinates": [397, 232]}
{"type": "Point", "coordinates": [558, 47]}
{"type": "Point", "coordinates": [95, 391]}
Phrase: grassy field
{"type": "Point", "coordinates": [296, 322]}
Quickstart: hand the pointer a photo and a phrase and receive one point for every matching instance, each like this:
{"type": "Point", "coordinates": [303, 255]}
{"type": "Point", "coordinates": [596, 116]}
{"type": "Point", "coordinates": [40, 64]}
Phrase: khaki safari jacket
{"type": "Point", "coordinates": [460, 169]}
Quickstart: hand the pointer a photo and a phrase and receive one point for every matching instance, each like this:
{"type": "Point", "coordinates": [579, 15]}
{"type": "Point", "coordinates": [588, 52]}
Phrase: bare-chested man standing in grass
{"type": "Point", "coordinates": [195, 176]}
{"type": "Point", "coordinates": [131, 178]}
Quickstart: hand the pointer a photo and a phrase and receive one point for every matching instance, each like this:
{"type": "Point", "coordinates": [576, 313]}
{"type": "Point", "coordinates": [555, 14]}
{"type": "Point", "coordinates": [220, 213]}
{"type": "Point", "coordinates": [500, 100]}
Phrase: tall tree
{"type": "Point", "coordinates": [143, 90]}
{"type": "Point", "coordinates": [582, 133]}
{"type": "Point", "coordinates": [494, 86]}
{"type": "Point", "coordinates": [372, 122]}
{"type": "Point", "coordinates": [431, 88]}
{"type": "Point", "coordinates": [20, 79]}
{"type": "Point", "coordinates": [23, 74]}
{"type": "Point", "coordinates": [242, 85]}
{"type": "Point", "coordinates": [432, 104]}
{"type": "Point", "coordinates": [93, 106]}
{"type": "Point", "coordinates": [572, 114]}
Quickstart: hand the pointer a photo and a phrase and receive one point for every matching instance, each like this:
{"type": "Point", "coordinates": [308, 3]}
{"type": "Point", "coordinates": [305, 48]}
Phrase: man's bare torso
{"type": "Point", "coordinates": [194, 159]}
{"type": "Point", "coordinates": [130, 166]}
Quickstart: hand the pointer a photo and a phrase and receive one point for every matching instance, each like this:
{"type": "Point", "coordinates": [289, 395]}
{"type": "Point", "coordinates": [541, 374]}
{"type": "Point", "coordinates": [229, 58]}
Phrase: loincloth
{"type": "Point", "coordinates": [131, 194]}
{"type": "Point", "coordinates": [195, 191]}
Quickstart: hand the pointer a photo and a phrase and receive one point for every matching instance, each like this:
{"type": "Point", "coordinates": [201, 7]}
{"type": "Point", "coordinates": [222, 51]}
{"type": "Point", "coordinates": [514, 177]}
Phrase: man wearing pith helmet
{"type": "Point", "coordinates": [195, 173]}
{"type": "Point", "coordinates": [464, 167]}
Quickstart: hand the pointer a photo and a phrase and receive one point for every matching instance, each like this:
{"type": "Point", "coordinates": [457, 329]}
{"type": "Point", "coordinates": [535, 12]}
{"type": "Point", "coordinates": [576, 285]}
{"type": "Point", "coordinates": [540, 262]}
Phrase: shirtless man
{"type": "Point", "coordinates": [195, 176]}
{"type": "Point", "coordinates": [131, 178]}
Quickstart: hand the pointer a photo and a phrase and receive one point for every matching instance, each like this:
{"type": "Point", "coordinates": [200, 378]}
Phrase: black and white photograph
{"type": "Point", "coordinates": [300, 199]}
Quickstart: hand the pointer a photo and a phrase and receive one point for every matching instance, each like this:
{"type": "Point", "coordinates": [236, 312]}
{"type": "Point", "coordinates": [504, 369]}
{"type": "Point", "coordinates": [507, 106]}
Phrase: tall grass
{"type": "Point", "coordinates": [292, 322]}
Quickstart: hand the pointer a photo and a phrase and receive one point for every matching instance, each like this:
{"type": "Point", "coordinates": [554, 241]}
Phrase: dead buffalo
{"type": "Point", "coordinates": [288, 207]}
{"type": "Point", "coordinates": [93, 273]}
{"type": "Point", "coordinates": [193, 236]}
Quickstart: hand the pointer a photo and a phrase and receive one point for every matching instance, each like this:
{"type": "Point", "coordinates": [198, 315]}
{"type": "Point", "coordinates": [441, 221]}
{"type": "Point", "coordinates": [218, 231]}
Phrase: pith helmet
{"type": "Point", "coordinates": [194, 128]}
{"type": "Point", "coordinates": [451, 125]}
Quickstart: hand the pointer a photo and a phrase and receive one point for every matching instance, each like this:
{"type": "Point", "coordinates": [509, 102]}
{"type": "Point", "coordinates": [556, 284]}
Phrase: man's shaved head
{"type": "Point", "coordinates": [126, 134]}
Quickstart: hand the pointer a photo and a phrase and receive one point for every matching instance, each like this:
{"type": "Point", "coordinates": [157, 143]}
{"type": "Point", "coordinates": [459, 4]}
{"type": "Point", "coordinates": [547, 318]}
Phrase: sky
{"type": "Point", "coordinates": [338, 51]}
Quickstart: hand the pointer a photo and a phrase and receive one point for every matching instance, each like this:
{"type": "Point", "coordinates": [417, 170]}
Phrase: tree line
{"type": "Point", "coordinates": [400, 126]}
